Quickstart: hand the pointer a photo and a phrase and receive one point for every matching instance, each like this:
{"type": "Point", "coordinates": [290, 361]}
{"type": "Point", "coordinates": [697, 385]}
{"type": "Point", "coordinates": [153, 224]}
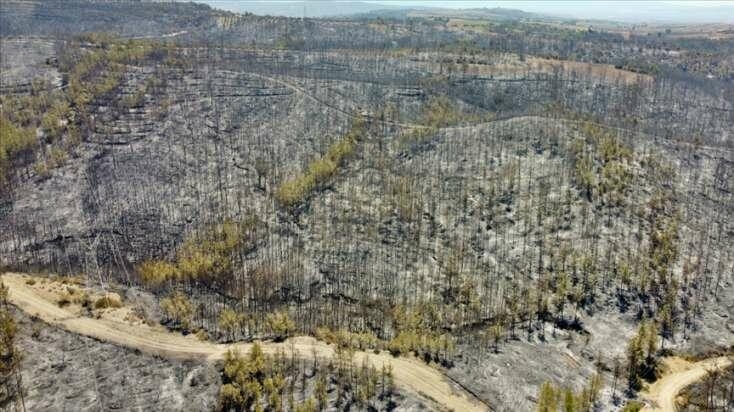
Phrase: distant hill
{"type": "Point", "coordinates": [642, 11]}
{"type": "Point", "coordinates": [301, 8]}
{"type": "Point", "coordinates": [325, 8]}
{"type": "Point", "coordinates": [125, 18]}
{"type": "Point", "coordinates": [495, 13]}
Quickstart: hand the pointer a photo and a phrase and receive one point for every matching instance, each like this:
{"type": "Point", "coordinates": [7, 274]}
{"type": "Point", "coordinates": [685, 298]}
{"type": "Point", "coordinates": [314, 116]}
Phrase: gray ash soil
{"type": "Point", "coordinates": [700, 396]}
{"type": "Point", "coordinates": [62, 371]}
{"type": "Point", "coordinates": [511, 377]}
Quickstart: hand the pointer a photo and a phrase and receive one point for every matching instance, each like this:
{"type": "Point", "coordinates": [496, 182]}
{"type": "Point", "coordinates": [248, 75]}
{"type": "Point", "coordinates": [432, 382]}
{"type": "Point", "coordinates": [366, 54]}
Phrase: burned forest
{"type": "Point", "coordinates": [400, 209]}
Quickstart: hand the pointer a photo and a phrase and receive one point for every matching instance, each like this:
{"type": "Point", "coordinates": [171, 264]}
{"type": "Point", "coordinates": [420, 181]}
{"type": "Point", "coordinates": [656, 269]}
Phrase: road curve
{"type": "Point", "coordinates": [661, 395]}
{"type": "Point", "coordinates": [409, 374]}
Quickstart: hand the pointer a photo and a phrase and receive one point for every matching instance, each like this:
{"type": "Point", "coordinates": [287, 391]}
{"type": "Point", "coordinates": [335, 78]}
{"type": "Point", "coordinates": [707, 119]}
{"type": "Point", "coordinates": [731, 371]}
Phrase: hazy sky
{"type": "Point", "coordinates": [540, 4]}
{"type": "Point", "coordinates": [696, 11]}
{"type": "Point", "coordinates": [693, 10]}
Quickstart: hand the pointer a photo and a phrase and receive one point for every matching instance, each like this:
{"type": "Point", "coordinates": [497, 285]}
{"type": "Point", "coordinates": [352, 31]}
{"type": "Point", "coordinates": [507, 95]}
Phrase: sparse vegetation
{"type": "Point", "coordinates": [178, 309]}
{"type": "Point", "coordinates": [14, 143]}
{"type": "Point", "coordinates": [552, 398]}
{"type": "Point", "coordinates": [280, 325]}
{"type": "Point", "coordinates": [641, 355]}
{"type": "Point", "coordinates": [205, 255]}
{"type": "Point", "coordinates": [256, 381]}
{"type": "Point", "coordinates": [633, 406]}
{"type": "Point", "coordinates": [294, 191]}
{"type": "Point", "coordinates": [712, 393]}
{"type": "Point", "coordinates": [11, 389]}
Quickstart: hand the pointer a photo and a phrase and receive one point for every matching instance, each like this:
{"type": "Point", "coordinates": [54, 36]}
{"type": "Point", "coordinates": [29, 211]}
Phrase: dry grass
{"type": "Point", "coordinates": [534, 65]}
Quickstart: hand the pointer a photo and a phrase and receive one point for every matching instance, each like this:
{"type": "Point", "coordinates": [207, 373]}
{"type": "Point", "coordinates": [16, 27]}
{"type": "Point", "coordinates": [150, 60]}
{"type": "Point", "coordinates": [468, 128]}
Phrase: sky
{"type": "Point", "coordinates": [674, 11]}
{"type": "Point", "coordinates": [695, 10]}
{"type": "Point", "coordinates": [539, 4]}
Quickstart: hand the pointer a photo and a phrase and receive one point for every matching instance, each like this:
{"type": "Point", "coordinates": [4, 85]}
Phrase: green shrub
{"type": "Point", "coordinates": [54, 120]}
{"type": "Point", "coordinates": [205, 253]}
{"type": "Point", "coordinates": [15, 140]}
{"type": "Point", "coordinates": [57, 157]}
{"type": "Point", "coordinates": [293, 191]}
{"type": "Point", "coordinates": [178, 309]}
{"type": "Point", "coordinates": [108, 301]}
{"type": "Point", "coordinates": [633, 406]}
{"type": "Point", "coordinates": [154, 273]}
{"type": "Point", "coordinates": [41, 169]}
{"type": "Point", "coordinates": [280, 325]}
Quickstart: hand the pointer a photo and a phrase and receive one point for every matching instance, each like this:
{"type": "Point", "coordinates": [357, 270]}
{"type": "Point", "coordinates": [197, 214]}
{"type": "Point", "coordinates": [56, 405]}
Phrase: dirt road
{"type": "Point", "coordinates": [661, 395]}
{"type": "Point", "coordinates": [410, 374]}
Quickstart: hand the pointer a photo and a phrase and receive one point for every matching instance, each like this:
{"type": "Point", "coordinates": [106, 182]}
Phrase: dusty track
{"type": "Point", "coordinates": [661, 395]}
{"type": "Point", "coordinates": [411, 375]}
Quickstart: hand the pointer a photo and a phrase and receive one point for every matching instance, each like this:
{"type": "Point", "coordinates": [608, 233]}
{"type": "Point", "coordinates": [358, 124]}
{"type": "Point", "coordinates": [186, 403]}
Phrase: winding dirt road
{"type": "Point", "coordinates": [661, 395]}
{"type": "Point", "coordinates": [410, 374]}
